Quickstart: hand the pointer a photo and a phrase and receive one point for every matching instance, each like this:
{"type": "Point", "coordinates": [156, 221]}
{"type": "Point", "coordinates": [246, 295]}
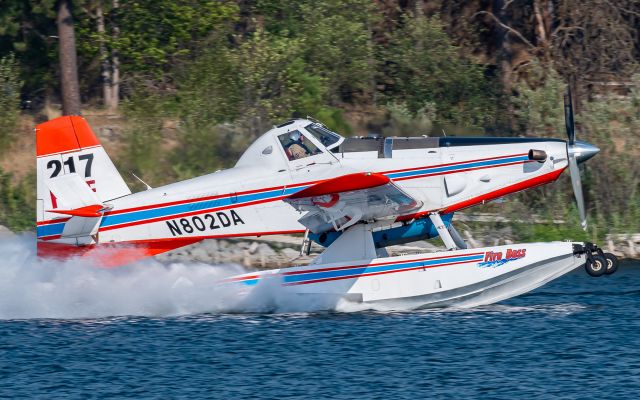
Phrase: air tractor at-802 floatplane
{"type": "Point", "coordinates": [354, 196]}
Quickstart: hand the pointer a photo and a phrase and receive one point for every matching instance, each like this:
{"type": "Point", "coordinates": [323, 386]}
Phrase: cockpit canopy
{"type": "Point", "coordinates": [328, 138]}
{"type": "Point", "coordinates": [293, 140]}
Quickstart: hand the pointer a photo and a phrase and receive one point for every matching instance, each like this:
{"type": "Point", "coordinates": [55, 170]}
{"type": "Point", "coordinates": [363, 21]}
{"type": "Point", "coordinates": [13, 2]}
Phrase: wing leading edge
{"type": "Point", "coordinates": [341, 202]}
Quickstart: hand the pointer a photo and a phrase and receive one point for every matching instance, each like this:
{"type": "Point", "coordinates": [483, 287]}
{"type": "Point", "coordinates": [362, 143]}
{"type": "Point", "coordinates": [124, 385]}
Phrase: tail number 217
{"type": "Point", "coordinates": [56, 165]}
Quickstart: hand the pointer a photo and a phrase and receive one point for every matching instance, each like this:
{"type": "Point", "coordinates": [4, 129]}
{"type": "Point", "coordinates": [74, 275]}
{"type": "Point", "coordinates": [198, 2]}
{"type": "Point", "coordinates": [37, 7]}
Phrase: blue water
{"type": "Point", "coordinates": [577, 337]}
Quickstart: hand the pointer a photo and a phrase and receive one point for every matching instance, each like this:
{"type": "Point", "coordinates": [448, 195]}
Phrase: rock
{"type": "Point", "coordinates": [240, 245]}
{"type": "Point", "coordinates": [210, 246]}
{"type": "Point", "coordinates": [200, 254]}
{"type": "Point", "coordinates": [265, 250]}
{"type": "Point", "coordinates": [290, 254]}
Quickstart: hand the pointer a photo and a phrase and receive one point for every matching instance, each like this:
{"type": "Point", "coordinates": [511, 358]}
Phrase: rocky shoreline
{"type": "Point", "coordinates": [265, 252]}
{"type": "Point", "coordinates": [284, 250]}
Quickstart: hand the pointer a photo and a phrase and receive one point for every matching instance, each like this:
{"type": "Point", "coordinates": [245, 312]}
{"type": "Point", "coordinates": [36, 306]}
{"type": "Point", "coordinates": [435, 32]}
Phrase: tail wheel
{"type": "Point", "coordinates": [612, 263]}
{"type": "Point", "coordinates": [596, 266]}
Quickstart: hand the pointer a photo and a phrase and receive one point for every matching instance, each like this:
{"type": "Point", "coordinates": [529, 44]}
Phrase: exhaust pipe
{"type": "Point", "coordinates": [538, 155]}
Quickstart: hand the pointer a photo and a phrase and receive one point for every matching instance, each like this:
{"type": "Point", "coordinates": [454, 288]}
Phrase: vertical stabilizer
{"type": "Point", "coordinates": [67, 146]}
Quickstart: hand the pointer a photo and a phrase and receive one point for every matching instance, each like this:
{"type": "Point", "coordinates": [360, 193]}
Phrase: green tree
{"type": "Point", "coordinates": [610, 180]}
{"type": "Point", "coordinates": [154, 34]}
{"type": "Point", "coordinates": [141, 42]}
{"type": "Point", "coordinates": [28, 30]}
{"type": "Point", "coordinates": [17, 202]}
{"type": "Point", "coordinates": [338, 46]}
{"type": "Point", "coordinates": [335, 39]}
{"type": "Point", "coordinates": [10, 85]}
{"type": "Point", "coordinates": [422, 66]}
{"type": "Point", "coordinates": [538, 105]}
{"type": "Point", "coordinates": [613, 124]}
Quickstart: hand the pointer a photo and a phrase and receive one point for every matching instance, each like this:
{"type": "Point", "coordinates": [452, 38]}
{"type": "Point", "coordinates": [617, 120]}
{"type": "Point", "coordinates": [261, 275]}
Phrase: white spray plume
{"type": "Point", "coordinates": [44, 288]}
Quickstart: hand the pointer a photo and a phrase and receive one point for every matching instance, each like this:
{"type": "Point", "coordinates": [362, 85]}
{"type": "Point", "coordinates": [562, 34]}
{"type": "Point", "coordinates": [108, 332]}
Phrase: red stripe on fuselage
{"type": "Point", "coordinates": [53, 221]}
{"type": "Point", "coordinates": [453, 163]}
{"type": "Point", "coordinates": [377, 273]}
{"type": "Point", "coordinates": [221, 236]}
{"type": "Point", "coordinates": [458, 170]}
{"type": "Point", "coordinates": [219, 196]}
{"type": "Point", "coordinates": [177, 202]}
{"type": "Point", "coordinates": [188, 214]}
{"type": "Point", "coordinates": [378, 264]}
{"type": "Point", "coordinates": [533, 182]}
{"type": "Point", "coordinates": [284, 187]}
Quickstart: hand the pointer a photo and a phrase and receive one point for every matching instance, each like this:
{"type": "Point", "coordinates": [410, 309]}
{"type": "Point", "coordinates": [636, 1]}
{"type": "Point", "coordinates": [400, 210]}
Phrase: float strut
{"type": "Point", "coordinates": [305, 249]}
{"type": "Point", "coordinates": [444, 233]}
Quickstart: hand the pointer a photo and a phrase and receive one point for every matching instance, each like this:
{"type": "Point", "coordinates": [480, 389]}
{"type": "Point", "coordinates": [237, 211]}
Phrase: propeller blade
{"type": "Point", "coordinates": [577, 190]}
{"type": "Point", "coordinates": [568, 117]}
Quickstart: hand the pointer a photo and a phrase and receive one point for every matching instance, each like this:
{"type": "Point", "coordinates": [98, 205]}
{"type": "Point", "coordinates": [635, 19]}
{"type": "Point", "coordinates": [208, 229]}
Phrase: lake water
{"type": "Point", "coordinates": [153, 331]}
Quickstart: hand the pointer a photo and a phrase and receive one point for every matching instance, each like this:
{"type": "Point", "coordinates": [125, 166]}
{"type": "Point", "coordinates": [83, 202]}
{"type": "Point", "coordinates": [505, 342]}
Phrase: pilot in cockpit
{"type": "Point", "coordinates": [296, 149]}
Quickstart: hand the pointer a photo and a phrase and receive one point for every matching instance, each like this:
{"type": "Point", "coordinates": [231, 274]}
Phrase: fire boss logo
{"type": "Point", "coordinates": [494, 259]}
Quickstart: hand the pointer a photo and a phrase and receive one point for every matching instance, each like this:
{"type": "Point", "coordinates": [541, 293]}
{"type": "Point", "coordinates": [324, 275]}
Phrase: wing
{"type": "Point", "coordinates": [341, 202]}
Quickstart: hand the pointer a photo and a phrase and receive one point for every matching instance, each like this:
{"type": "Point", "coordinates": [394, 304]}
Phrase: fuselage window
{"type": "Point", "coordinates": [324, 135]}
{"type": "Point", "coordinates": [296, 146]}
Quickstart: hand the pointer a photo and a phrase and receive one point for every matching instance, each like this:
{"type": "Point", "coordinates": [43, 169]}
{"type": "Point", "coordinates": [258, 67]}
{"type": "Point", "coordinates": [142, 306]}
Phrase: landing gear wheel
{"type": "Point", "coordinates": [597, 266]}
{"type": "Point", "coordinates": [612, 263]}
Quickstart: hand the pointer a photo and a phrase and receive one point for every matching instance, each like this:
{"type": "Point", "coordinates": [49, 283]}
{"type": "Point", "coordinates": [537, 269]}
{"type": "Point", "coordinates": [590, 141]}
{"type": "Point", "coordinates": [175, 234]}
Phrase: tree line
{"type": "Point", "coordinates": [212, 75]}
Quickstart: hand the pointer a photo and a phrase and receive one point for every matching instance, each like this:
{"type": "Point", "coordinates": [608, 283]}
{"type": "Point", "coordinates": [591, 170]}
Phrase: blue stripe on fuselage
{"type": "Point", "coordinates": [230, 200]}
{"type": "Point", "coordinates": [50, 230]}
{"type": "Point", "coordinates": [367, 269]}
{"type": "Point", "coordinates": [437, 169]}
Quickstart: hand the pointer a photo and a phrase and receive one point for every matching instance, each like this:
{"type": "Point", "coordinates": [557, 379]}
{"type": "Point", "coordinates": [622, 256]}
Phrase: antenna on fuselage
{"type": "Point", "coordinates": [143, 182]}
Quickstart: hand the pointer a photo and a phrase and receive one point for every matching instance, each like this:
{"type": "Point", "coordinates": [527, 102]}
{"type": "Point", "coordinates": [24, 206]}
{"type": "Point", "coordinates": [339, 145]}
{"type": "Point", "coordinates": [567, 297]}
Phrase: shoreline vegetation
{"type": "Point", "coordinates": [176, 89]}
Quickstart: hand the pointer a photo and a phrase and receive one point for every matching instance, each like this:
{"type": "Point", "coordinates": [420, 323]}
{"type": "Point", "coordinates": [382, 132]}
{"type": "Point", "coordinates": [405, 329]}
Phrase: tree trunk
{"type": "Point", "coordinates": [68, 61]}
{"type": "Point", "coordinates": [115, 67]}
{"type": "Point", "coordinates": [115, 85]}
{"type": "Point", "coordinates": [105, 68]}
{"type": "Point", "coordinates": [541, 29]}
{"type": "Point", "coordinates": [504, 61]}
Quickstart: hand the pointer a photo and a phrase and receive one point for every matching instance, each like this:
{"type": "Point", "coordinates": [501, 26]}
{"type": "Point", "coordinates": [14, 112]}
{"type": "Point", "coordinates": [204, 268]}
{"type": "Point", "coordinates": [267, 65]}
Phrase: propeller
{"type": "Point", "coordinates": [577, 152]}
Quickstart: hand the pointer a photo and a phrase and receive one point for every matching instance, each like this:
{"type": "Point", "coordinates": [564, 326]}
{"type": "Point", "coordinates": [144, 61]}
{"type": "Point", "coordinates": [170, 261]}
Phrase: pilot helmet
{"type": "Point", "coordinates": [295, 136]}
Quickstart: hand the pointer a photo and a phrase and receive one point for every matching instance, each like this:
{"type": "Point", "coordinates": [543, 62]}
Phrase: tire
{"type": "Point", "coordinates": [612, 263]}
{"type": "Point", "coordinates": [597, 267]}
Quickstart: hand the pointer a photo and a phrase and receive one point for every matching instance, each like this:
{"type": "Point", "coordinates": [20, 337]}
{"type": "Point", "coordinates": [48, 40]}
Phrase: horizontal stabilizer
{"type": "Point", "coordinates": [93, 211]}
{"type": "Point", "coordinates": [75, 198]}
{"type": "Point", "coordinates": [72, 192]}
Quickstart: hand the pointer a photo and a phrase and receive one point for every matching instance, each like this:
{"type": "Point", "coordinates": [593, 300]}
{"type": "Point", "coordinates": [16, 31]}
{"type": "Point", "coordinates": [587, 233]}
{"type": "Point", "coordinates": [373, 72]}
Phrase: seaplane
{"type": "Point", "coordinates": [354, 196]}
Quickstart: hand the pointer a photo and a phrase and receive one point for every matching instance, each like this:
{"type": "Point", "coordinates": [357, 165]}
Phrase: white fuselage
{"type": "Point", "coordinates": [247, 200]}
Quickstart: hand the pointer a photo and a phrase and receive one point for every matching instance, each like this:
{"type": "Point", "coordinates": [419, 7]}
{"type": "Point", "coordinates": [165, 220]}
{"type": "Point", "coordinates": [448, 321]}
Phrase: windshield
{"type": "Point", "coordinates": [324, 135]}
